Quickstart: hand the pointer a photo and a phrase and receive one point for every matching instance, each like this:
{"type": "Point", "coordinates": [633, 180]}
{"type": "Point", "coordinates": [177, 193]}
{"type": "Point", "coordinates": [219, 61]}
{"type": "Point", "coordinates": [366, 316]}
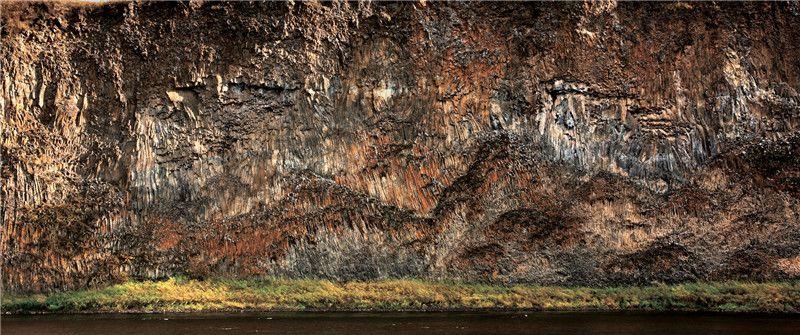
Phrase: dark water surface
{"type": "Point", "coordinates": [403, 323]}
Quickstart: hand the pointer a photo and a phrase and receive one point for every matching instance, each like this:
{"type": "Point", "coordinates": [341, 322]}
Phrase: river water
{"type": "Point", "coordinates": [571, 323]}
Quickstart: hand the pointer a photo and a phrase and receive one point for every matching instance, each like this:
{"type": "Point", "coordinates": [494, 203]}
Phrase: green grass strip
{"type": "Point", "coordinates": [184, 295]}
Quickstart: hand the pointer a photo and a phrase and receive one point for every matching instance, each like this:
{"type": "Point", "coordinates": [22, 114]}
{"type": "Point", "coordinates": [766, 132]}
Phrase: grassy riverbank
{"type": "Point", "coordinates": [182, 295]}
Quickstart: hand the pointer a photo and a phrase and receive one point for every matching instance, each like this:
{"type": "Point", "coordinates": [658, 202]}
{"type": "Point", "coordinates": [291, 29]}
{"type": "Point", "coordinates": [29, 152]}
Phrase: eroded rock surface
{"type": "Point", "coordinates": [554, 143]}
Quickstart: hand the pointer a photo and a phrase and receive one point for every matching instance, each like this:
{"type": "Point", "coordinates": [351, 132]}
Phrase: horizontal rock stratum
{"type": "Point", "coordinates": [552, 143]}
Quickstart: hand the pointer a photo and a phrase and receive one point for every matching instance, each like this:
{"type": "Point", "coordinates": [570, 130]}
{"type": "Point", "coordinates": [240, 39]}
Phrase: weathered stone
{"type": "Point", "coordinates": [558, 143]}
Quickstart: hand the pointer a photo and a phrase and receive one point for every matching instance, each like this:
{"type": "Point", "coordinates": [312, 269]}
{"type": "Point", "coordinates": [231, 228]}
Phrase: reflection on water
{"type": "Point", "coordinates": [403, 323]}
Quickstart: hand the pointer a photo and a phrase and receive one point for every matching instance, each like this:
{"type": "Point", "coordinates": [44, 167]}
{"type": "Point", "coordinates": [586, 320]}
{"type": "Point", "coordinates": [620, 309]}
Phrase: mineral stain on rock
{"type": "Point", "coordinates": [551, 143]}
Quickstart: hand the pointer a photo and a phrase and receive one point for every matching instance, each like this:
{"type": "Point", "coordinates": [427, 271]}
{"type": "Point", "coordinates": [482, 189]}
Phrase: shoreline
{"type": "Point", "coordinates": [179, 295]}
{"type": "Point", "coordinates": [391, 311]}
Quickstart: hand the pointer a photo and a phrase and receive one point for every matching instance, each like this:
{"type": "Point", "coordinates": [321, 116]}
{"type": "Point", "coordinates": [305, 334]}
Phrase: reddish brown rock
{"type": "Point", "coordinates": [557, 143]}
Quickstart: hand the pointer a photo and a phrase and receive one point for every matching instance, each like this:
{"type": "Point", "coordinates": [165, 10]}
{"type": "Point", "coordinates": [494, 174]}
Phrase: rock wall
{"type": "Point", "coordinates": [555, 143]}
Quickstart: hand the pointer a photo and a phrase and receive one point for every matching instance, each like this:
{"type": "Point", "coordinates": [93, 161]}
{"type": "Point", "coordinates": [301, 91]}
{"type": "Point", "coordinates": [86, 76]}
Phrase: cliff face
{"type": "Point", "coordinates": [561, 143]}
